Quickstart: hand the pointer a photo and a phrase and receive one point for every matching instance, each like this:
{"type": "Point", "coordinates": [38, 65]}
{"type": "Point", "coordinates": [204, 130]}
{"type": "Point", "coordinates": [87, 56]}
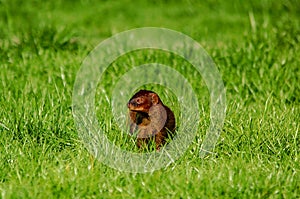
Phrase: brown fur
{"type": "Point", "coordinates": [150, 118]}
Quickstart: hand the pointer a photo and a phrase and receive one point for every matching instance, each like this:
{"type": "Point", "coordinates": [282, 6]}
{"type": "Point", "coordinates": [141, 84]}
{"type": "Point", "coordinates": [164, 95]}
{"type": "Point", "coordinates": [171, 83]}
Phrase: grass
{"type": "Point", "coordinates": [255, 46]}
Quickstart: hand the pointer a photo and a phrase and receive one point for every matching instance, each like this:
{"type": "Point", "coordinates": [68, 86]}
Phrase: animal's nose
{"type": "Point", "coordinates": [132, 103]}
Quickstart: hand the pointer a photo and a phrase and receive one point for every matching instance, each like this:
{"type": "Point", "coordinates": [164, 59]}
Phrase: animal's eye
{"type": "Point", "coordinates": [140, 100]}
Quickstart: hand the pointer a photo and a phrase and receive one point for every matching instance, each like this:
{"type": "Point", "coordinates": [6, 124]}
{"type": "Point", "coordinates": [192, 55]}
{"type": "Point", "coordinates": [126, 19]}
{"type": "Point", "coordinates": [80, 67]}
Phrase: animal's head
{"type": "Point", "coordinates": [143, 100]}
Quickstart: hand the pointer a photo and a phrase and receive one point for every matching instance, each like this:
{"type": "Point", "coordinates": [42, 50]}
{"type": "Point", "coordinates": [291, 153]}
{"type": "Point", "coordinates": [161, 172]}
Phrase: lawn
{"type": "Point", "coordinates": [255, 46]}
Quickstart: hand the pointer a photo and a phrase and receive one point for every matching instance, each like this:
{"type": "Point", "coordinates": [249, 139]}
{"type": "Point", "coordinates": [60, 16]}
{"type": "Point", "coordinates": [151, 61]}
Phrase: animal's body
{"type": "Point", "coordinates": [150, 119]}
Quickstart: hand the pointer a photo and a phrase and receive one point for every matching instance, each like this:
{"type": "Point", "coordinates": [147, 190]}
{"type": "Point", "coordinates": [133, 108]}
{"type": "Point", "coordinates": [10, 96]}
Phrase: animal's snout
{"type": "Point", "coordinates": [132, 103]}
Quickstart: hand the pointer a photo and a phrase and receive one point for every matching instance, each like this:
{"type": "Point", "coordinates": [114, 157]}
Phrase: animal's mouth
{"type": "Point", "coordinates": [134, 108]}
{"type": "Point", "coordinates": [136, 111]}
{"type": "Point", "coordinates": [139, 111]}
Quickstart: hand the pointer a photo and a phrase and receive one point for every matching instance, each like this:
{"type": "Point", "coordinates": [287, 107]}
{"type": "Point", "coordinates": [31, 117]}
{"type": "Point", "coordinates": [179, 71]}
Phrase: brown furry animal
{"type": "Point", "coordinates": [150, 118]}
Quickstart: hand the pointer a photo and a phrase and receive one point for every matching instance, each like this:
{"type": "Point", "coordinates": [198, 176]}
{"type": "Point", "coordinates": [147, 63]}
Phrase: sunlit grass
{"type": "Point", "coordinates": [255, 46]}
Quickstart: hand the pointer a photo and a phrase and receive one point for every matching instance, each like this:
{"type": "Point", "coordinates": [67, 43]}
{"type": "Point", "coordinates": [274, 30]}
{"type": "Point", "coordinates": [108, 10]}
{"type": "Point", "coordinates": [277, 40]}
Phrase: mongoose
{"type": "Point", "coordinates": [150, 119]}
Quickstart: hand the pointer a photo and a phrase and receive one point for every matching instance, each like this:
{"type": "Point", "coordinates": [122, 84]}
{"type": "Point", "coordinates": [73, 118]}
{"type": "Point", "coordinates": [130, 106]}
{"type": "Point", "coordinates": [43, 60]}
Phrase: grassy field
{"type": "Point", "coordinates": [255, 46]}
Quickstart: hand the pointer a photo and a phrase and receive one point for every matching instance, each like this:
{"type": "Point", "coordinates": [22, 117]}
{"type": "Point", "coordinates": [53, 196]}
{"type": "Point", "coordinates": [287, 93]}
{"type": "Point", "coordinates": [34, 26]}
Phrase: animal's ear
{"type": "Point", "coordinates": [154, 98]}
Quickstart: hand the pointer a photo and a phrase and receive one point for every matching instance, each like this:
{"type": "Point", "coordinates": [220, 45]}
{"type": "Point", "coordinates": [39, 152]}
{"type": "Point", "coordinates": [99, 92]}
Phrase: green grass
{"type": "Point", "coordinates": [255, 46]}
